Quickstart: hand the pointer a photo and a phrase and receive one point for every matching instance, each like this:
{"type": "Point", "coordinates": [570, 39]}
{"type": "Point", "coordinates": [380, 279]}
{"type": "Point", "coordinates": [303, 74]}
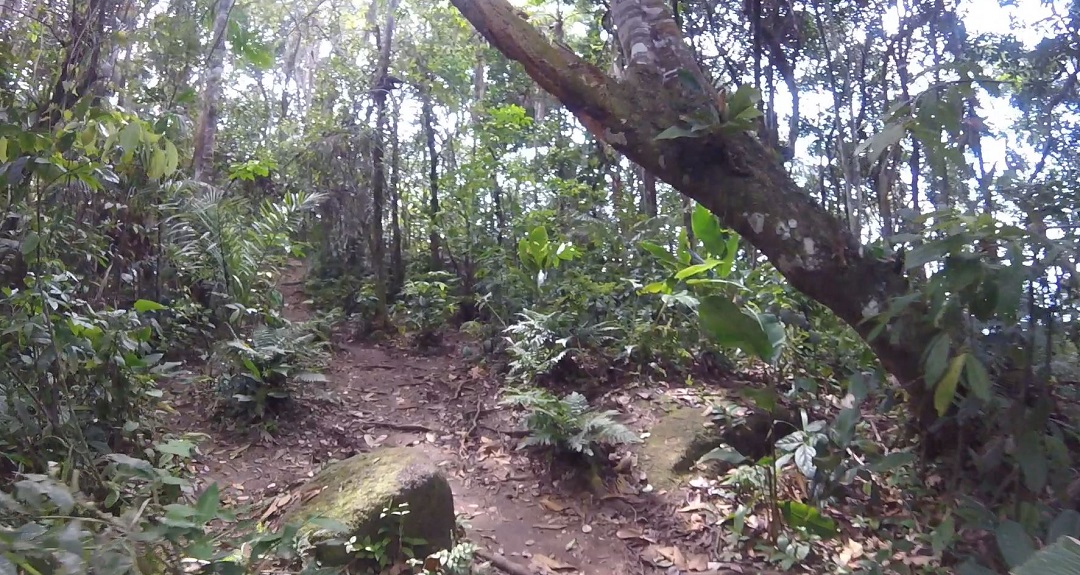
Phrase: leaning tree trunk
{"type": "Point", "coordinates": [205, 132]}
{"type": "Point", "coordinates": [731, 174]}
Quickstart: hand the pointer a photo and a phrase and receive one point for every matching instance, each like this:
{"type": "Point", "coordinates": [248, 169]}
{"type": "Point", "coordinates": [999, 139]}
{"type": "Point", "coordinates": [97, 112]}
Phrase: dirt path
{"type": "Point", "coordinates": [380, 396]}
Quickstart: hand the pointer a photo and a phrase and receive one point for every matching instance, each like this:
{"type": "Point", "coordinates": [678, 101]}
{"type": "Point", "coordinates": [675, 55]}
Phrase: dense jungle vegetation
{"type": "Point", "coordinates": [855, 220]}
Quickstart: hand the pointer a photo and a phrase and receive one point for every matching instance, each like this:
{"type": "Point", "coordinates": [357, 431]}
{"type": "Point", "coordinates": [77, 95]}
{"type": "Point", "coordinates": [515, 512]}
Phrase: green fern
{"type": "Point", "coordinates": [219, 238]}
{"type": "Point", "coordinates": [567, 424]}
{"type": "Point", "coordinates": [263, 369]}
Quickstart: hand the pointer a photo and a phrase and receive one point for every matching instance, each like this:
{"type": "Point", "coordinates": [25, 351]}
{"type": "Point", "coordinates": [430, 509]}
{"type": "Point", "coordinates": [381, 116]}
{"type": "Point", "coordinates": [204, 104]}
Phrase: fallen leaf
{"type": "Point", "coordinates": [550, 564]}
{"type": "Point", "coordinates": [697, 562]}
{"type": "Point", "coordinates": [551, 526]}
{"type": "Point", "coordinates": [633, 533]}
{"type": "Point", "coordinates": [553, 505]}
{"type": "Point", "coordinates": [674, 555]}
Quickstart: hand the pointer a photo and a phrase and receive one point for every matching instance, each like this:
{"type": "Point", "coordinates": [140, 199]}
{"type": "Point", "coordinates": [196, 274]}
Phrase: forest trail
{"type": "Point", "coordinates": [382, 396]}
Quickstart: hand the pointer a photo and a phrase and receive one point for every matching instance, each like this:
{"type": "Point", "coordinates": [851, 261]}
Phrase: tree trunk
{"type": "Point", "coordinates": [732, 175]}
{"type": "Point", "coordinates": [648, 194]}
{"type": "Point", "coordinates": [380, 90]}
{"type": "Point", "coordinates": [433, 177]}
{"type": "Point", "coordinates": [202, 160]}
{"type": "Point", "coordinates": [397, 260]}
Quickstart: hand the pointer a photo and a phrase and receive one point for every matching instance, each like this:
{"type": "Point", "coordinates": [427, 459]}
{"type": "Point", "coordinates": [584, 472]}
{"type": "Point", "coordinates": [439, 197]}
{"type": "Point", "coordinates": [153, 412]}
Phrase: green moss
{"type": "Point", "coordinates": [674, 444]}
{"type": "Point", "coordinates": [354, 492]}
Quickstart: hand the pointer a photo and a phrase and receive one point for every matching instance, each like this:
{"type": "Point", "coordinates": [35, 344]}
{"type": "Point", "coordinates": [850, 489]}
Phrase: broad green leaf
{"type": "Point", "coordinates": [662, 254]}
{"type": "Point", "coordinates": [801, 515]}
{"type": "Point", "coordinates": [892, 461]}
{"type": "Point", "coordinates": [157, 164]}
{"type": "Point", "coordinates": [707, 229]}
{"type": "Point", "coordinates": [171, 158]}
{"type": "Point", "coordinates": [804, 460]}
{"type": "Point", "coordinates": [697, 269]}
{"type": "Point", "coordinates": [1014, 544]}
{"type": "Point", "coordinates": [3, 149]}
{"type": "Point", "coordinates": [539, 235]}
{"type": "Point", "coordinates": [945, 390]}
{"type": "Point", "coordinates": [922, 255]}
{"type": "Point", "coordinates": [30, 242]}
{"type": "Point", "coordinates": [129, 139]}
{"type": "Point", "coordinates": [656, 287]}
{"type": "Point", "coordinates": [1066, 524]}
{"type": "Point", "coordinates": [177, 447]}
{"type": "Point", "coordinates": [731, 326]}
{"type": "Point", "coordinates": [725, 454]}
{"type": "Point", "coordinates": [1061, 558]}
{"type": "Point", "coordinates": [207, 506]}
{"type": "Point", "coordinates": [145, 305]}
{"type": "Point", "coordinates": [937, 356]}
{"type": "Point", "coordinates": [746, 97]}
{"type": "Point", "coordinates": [976, 377]}
{"type": "Point", "coordinates": [889, 136]}
{"type": "Point", "coordinates": [675, 132]}
{"type": "Point", "coordinates": [1031, 455]}
{"type": "Point", "coordinates": [774, 330]}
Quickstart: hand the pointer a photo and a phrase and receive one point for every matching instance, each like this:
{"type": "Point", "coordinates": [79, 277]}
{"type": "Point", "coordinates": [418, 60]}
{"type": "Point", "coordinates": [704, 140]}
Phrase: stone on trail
{"type": "Point", "coordinates": [354, 492]}
{"type": "Point", "coordinates": [682, 436]}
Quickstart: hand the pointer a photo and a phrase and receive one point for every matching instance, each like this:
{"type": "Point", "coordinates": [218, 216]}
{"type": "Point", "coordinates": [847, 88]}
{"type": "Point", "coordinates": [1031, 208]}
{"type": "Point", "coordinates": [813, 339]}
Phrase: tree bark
{"type": "Point", "coordinates": [380, 90]}
{"type": "Point", "coordinates": [433, 177]}
{"type": "Point", "coordinates": [202, 160]}
{"type": "Point", "coordinates": [731, 174]}
{"type": "Point", "coordinates": [397, 259]}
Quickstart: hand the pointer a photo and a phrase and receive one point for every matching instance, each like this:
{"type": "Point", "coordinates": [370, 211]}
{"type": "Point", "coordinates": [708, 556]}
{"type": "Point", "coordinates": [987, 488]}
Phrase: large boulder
{"type": "Point", "coordinates": [354, 493]}
{"type": "Point", "coordinates": [685, 434]}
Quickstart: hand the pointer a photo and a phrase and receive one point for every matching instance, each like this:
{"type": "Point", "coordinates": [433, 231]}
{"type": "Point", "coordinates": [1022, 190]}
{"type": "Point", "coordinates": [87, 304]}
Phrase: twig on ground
{"type": "Point", "coordinates": [403, 427]}
{"type": "Point", "coordinates": [506, 432]}
{"type": "Point", "coordinates": [476, 416]}
{"type": "Point", "coordinates": [504, 564]}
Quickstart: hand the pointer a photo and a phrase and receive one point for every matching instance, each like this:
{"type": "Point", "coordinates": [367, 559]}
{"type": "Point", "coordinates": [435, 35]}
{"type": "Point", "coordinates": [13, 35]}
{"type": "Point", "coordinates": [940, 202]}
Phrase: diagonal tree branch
{"type": "Point", "coordinates": [732, 175]}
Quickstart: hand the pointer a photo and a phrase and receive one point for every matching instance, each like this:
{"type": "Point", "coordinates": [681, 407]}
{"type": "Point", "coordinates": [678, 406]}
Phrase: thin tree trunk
{"type": "Point", "coordinates": [380, 90]}
{"type": "Point", "coordinates": [205, 132]}
{"type": "Point", "coordinates": [433, 177]}
{"type": "Point", "coordinates": [648, 195]}
{"type": "Point", "coordinates": [397, 260]}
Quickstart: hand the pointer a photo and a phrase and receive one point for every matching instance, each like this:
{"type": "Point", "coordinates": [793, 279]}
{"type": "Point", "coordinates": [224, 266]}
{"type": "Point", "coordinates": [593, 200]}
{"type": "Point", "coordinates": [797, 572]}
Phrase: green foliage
{"type": "Point", "coordinates": [724, 321]}
{"type": "Point", "coordinates": [568, 424]}
{"type": "Point", "coordinates": [536, 348]}
{"type": "Point", "coordinates": [262, 370]}
{"type": "Point", "coordinates": [216, 238]}
{"type": "Point", "coordinates": [539, 256]}
{"type": "Point", "coordinates": [425, 307]}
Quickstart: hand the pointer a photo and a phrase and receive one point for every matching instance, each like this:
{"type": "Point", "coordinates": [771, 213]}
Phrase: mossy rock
{"type": "Point", "coordinates": [354, 493]}
{"type": "Point", "coordinates": [685, 434]}
{"type": "Point", "coordinates": [668, 452]}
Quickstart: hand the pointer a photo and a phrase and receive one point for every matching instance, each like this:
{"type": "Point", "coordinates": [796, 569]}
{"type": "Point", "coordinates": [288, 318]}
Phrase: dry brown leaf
{"type": "Point", "coordinates": [552, 505]}
{"type": "Point", "coordinates": [279, 502]}
{"type": "Point", "coordinates": [674, 555]}
{"type": "Point", "coordinates": [633, 533]}
{"type": "Point", "coordinates": [696, 506]}
{"type": "Point", "coordinates": [697, 562]}
{"type": "Point", "coordinates": [550, 564]}
{"type": "Point", "coordinates": [550, 526]}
